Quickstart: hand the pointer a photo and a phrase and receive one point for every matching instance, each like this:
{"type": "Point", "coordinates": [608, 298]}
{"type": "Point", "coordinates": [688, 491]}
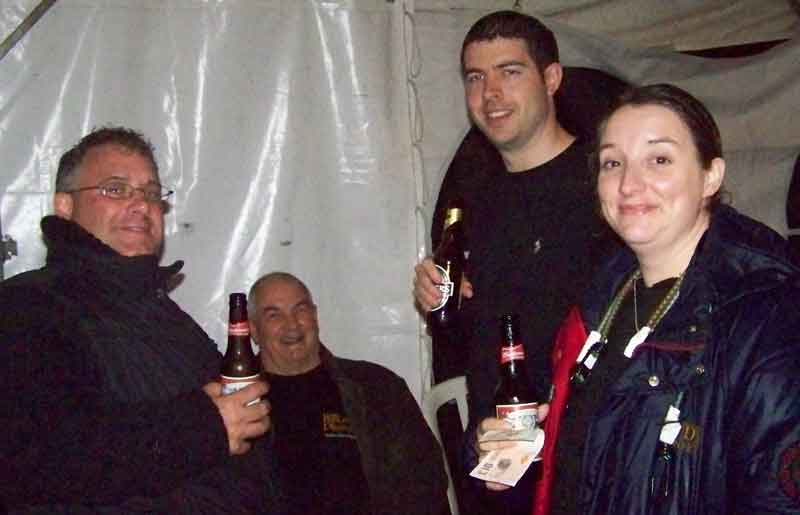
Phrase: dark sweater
{"type": "Point", "coordinates": [317, 453]}
{"type": "Point", "coordinates": [535, 239]}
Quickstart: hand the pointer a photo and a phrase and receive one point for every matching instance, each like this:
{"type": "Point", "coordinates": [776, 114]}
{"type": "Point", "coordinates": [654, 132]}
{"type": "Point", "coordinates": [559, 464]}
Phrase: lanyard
{"type": "Point", "coordinates": [598, 338]}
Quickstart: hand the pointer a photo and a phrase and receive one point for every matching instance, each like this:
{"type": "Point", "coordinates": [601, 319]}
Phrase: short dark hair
{"type": "Point", "coordinates": [123, 137]}
{"type": "Point", "coordinates": [541, 42]}
{"type": "Point", "coordinates": [697, 118]}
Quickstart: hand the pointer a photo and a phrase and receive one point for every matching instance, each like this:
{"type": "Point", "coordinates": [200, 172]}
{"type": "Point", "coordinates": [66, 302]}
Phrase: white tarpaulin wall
{"type": "Point", "coordinates": [281, 125]}
{"type": "Point", "coordinates": [294, 140]}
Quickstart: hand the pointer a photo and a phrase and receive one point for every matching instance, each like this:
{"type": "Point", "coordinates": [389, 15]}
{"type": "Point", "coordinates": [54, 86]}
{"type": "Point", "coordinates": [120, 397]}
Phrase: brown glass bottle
{"type": "Point", "coordinates": [514, 397]}
{"type": "Point", "coordinates": [449, 261]}
{"type": "Point", "coordinates": [240, 366]}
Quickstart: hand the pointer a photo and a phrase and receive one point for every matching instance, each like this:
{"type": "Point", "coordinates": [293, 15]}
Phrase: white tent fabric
{"type": "Point", "coordinates": [281, 125]}
{"type": "Point", "coordinates": [311, 136]}
{"type": "Point", "coordinates": [676, 24]}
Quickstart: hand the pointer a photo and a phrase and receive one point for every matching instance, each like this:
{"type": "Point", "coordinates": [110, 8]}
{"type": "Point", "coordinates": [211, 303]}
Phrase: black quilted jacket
{"type": "Point", "coordinates": [100, 404]}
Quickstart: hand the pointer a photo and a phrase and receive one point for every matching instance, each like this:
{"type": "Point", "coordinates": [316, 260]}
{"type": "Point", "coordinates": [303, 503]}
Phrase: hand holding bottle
{"type": "Point", "coordinates": [484, 444]}
{"type": "Point", "coordinates": [511, 442]}
{"type": "Point", "coordinates": [243, 418]}
{"type": "Point", "coordinates": [426, 285]}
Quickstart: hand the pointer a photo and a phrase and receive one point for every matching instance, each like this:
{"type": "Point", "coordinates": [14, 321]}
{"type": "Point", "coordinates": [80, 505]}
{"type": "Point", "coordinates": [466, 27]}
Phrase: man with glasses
{"type": "Point", "coordinates": [109, 401]}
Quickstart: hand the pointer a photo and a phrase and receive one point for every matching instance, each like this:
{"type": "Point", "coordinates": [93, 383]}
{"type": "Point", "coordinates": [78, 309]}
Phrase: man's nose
{"type": "Point", "coordinates": [493, 87]}
{"type": "Point", "coordinates": [139, 202]}
{"type": "Point", "coordinates": [292, 322]}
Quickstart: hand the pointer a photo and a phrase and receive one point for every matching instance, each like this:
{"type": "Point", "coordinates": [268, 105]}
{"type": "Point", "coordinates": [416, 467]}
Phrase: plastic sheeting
{"type": "Point", "coordinates": [281, 125]}
{"type": "Point", "coordinates": [295, 141]}
{"type": "Point", "coordinates": [678, 24]}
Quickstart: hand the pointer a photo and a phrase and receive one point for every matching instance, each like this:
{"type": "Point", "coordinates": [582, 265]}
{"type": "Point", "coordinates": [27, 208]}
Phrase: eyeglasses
{"type": "Point", "coordinates": [119, 190]}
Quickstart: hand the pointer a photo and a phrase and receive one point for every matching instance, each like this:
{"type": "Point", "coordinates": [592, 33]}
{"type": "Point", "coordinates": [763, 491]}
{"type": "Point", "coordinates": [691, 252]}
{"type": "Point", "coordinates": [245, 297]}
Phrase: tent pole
{"type": "Point", "coordinates": [23, 28]}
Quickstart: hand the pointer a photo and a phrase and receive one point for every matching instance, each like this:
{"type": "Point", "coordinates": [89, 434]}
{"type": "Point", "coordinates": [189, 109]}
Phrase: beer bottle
{"type": "Point", "coordinates": [514, 398]}
{"type": "Point", "coordinates": [240, 366]}
{"type": "Point", "coordinates": [449, 261]}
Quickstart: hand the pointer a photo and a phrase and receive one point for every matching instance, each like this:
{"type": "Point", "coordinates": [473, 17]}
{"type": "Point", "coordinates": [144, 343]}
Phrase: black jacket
{"type": "Point", "coordinates": [731, 344]}
{"type": "Point", "coordinates": [101, 406]}
{"type": "Point", "coordinates": [402, 460]}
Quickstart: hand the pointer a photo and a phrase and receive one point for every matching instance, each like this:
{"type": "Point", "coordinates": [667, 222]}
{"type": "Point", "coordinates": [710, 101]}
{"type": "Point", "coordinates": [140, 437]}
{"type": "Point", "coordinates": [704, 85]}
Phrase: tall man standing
{"type": "Point", "coordinates": [108, 402]}
{"type": "Point", "coordinates": [533, 234]}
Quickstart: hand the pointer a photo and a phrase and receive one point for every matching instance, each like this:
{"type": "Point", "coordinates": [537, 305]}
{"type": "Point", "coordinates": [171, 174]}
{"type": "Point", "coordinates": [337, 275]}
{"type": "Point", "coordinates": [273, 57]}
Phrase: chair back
{"type": "Point", "coordinates": [440, 394]}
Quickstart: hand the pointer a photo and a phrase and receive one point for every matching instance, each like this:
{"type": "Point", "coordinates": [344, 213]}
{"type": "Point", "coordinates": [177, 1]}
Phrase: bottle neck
{"type": "Point", "coordinates": [238, 326]}
{"type": "Point", "coordinates": [512, 358]}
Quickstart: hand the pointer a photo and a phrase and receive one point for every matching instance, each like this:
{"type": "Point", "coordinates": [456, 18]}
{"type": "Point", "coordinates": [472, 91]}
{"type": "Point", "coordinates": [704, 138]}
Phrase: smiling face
{"type": "Point", "coordinates": [284, 325]}
{"type": "Point", "coordinates": [132, 227]}
{"type": "Point", "coordinates": [653, 190]}
{"type": "Point", "coordinates": [507, 96]}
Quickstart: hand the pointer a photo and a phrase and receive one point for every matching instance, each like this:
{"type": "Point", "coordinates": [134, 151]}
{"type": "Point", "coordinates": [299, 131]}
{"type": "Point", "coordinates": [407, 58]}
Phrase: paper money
{"type": "Point", "coordinates": [529, 434]}
{"type": "Point", "coordinates": [507, 465]}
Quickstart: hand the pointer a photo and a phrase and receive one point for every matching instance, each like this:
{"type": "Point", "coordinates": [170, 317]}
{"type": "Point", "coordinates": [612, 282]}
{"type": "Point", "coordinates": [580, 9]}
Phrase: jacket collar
{"type": "Point", "coordinates": [736, 256]}
{"type": "Point", "coordinates": [329, 362]}
{"type": "Point", "coordinates": [76, 252]}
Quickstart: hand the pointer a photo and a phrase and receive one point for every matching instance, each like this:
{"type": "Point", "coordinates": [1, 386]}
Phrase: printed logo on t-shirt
{"type": "Point", "coordinates": [336, 425]}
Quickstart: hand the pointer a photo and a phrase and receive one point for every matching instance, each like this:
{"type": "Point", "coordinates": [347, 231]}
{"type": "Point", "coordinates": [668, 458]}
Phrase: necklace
{"type": "Point", "coordinates": [655, 317]}
{"type": "Point", "coordinates": [598, 338]}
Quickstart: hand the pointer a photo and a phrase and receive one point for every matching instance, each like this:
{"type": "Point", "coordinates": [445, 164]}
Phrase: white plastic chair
{"type": "Point", "coordinates": [432, 400]}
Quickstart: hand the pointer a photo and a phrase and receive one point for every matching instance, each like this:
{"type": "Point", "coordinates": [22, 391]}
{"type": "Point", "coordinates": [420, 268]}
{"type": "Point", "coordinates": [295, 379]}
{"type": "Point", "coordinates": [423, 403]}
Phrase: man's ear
{"type": "Point", "coordinates": [62, 205]}
{"type": "Point", "coordinates": [552, 76]}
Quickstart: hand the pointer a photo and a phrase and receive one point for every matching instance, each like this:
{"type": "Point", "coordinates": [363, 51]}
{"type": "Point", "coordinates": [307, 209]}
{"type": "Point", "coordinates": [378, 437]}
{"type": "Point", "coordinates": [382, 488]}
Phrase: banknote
{"type": "Point", "coordinates": [507, 465]}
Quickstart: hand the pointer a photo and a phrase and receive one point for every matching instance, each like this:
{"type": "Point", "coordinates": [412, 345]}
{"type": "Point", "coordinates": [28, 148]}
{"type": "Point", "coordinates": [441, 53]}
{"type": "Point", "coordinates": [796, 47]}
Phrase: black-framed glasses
{"type": "Point", "coordinates": [119, 190]}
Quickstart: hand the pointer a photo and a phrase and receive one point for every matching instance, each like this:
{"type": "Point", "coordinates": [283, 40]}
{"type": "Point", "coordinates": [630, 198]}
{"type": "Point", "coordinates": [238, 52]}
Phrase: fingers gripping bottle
{"type": "Point", "coordinates": [449, 260]}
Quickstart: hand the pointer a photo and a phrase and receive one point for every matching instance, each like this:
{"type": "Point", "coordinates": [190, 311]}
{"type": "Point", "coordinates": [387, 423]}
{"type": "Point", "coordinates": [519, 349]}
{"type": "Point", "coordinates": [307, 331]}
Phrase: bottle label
{"type": "Point", "coordinates": [239, 329]}
{"type": "Point", "coordinates": [445, 286]}
{"type": "Point", "coordinates": [513, 353]}
{"type": "Point", "coordinates": [234, 384]}
{"type": "Point", "coordinates": [521, 416]}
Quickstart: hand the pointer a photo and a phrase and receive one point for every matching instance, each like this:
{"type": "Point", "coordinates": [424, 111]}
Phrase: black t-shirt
{"type": "Point", "coordinates": [585, 400]}
{"type": "Point", "coordinates": [535, 240]}
{"type": "Point", "coordinates": [317, 454]}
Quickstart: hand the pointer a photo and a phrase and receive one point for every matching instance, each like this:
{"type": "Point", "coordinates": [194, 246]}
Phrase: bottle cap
{"type": "Point", "coordinates": [237, 299]}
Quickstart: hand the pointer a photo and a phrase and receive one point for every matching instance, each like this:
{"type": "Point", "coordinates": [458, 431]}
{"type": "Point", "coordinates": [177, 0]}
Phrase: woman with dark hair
{"type": "Point", "coordinates": [682, 367]}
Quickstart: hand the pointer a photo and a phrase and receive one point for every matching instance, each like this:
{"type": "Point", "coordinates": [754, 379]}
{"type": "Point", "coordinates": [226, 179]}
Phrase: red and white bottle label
{"type": "Point", "coordinates": [515, 352]}
{"type": "Point", "coordinates": [521, 416]}
{"type": "Point", "coordinates": [239, 329]}
{"type": "Point", "coordinates": [234, 384]}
